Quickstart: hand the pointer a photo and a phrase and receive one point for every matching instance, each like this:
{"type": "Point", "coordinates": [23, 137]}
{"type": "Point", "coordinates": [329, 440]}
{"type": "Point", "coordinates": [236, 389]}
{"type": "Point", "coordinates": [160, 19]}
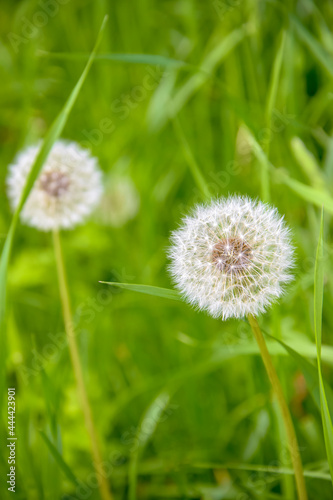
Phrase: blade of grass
{"type": "Point", "coordinates": [314, 46]}
{"type": "Point", "coordinates": [96, 454]}
{"type": "Point", "coordinates": [316, 196]}
{"type": "Point", "coordinates": [159, 467]}
{"type": "Point", "coordinates": [318, 308]}
{"type": "Point", "coordinates": [318, 289]}
{"type": "Point", "coordinates": [274, 82]}
{"type": "Point", "coordinates": [52, 135]}
{"type": "Point", "coordinates": [217, 54]}
{"type": "Point", "coordinates": [144, 433]}
{"type": "Point", "coordinates": [48, 391]}
{"type": "Point", "coordinates": [151, 59]}
{"type": "Point", "coordinates": [309, 371]}
{"type": "Point", "coordinates": [270, 103]}
{"type": "Point", "coordinates": [307, 162]}
{"type": "Point", "coordinates": [327, 426]}
{"type": "Point", "coordinates": [166, 293]}
{"type": "Point", "coordinates": [262, 468]}
{"type": "Point", "coordinates": [194, 167]}
{"type": "Point", "coordinates": [264, 164]}
{"type": "Point", "coordinates": [291, 441]}
{"type": "Point", "coordinates": [60, 461]}
{"type": "Point", "coordinates": [328, 165]}
{"type": "Point", "coordinates": [203, 74]}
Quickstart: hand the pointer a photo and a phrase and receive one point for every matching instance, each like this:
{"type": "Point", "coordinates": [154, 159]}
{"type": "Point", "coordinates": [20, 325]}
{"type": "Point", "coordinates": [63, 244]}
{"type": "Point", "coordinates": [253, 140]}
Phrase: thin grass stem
{"type": "Point", "coordinates": [75, 358]}
{"type": "Point", "coordinates": [290, 431]}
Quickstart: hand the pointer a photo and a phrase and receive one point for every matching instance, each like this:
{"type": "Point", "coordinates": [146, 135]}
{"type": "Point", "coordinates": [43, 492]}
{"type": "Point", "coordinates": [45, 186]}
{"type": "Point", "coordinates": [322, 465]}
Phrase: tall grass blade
{"type": "Point", "coordinates": [191, 161]}
{"type": "Point", "coordinates": [314, 46]}
{"type": "Point", "coordinates": [165, 293]}
{"type": "Point", "coordinates": [60, 461]}
{"type": "Point", "coordinates": [150, 59]}
{"type": "Point", "coordinates": [318, 308]}
{"type": "Point", "coordinates": [145, 430]}
{"type": "Point", "coordinates": [270, 104]}
{"type": "Point", "coordinates": [309, 371]}
{"type": "Point", "coordinates": [318, 288]}
{"type": "Point", "coordinates": [274, 82]}
{"type": "Point", "coordinates": [307, 162]}
{"type": "Point", "coordinates": [316, 196]}
{"type": "Point", "coordinates": [206, 69]}
{"type": "Point", "coordinates": [264, 164]}
{"type": "Point", "coordinates": [315, 474]}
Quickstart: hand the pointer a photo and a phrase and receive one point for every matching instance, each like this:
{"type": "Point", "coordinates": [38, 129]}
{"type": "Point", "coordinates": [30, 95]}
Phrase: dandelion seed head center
{"type": "Point", "coordinates": [232, 255]}
{"type": "Point", "coordinates": [241, 267]}
{"type": "Point", "coordinates": [55, 183]}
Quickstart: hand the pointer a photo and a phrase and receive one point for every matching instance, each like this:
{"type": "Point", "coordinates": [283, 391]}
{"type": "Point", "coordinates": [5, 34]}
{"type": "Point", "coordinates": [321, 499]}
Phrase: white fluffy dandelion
{"type": "Point", "coordinates": [66, 191]}
{"type": "Point", "coordinates": [232, 257]}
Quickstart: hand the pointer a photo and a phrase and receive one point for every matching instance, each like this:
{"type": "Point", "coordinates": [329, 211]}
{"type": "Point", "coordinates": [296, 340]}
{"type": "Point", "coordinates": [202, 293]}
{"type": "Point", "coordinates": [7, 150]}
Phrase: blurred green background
{"type": "Point", "coordinates": [252, 85]}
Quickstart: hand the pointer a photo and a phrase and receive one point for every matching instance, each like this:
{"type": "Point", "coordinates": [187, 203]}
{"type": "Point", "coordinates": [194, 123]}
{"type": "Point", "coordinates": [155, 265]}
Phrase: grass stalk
{"type": "Point", "coordinates": [76, 364]}
{"type": "Point", "coordinates": [290, 431]}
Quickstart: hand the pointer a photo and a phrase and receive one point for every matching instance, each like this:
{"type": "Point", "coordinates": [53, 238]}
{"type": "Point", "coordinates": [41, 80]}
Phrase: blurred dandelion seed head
{"type": "Point", "coordinates": [66, 191]}
{"type": "Point", "coordinates": [120, 202]}
{"type": "Point", "coordinates": [232, 257]}
{"type": "Point", "coordinates": [55, 183]}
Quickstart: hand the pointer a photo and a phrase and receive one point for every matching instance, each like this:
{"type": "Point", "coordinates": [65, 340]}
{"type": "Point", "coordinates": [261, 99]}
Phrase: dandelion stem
{"type": "Point", "coordinates": [75, 358]}
{"type": "Point", "coordinates": [290, 431]}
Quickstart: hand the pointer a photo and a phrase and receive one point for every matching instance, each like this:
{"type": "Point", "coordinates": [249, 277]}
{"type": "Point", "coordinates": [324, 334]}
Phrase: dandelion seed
{"type": "Point", "coordinates": [66, 191]}
{"type": "Point", "coordinates": [232, 257]}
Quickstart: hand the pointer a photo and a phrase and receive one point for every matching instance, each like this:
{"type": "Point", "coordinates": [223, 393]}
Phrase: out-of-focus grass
{"type": "Point", "coordinates": [250, 129]}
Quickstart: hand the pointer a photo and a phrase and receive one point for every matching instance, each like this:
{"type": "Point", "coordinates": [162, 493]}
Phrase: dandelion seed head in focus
{"type": "Point", "coordinates": [65, 193]}
{"type": "Point", "coordinates": [232, 257]}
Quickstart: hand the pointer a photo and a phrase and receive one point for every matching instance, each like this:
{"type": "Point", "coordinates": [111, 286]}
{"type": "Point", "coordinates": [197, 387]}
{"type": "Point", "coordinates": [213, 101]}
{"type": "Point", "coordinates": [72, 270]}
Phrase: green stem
{"type": "Point", "coordinates": [290, 431]}
{"type": "Point", "coordinates": [75, 358]}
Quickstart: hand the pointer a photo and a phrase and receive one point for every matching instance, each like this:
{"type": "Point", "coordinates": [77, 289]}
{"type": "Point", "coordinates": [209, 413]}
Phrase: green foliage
{"type": "Point", "coordinates": [187, 99]}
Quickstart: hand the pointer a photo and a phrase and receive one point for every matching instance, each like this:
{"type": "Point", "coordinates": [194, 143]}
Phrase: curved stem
{"type": "Point", "coordinates": [75, 358]}
{"type": "Point", "coordinates": [290, 431]}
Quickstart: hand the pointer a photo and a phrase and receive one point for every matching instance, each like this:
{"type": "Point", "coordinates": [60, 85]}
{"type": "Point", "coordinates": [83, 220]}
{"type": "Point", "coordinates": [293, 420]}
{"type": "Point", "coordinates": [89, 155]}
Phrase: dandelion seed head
{"type": "Point", "coordinates": [54, 183]}
{"type": "Point", "coordinates": [232, 257]}
{"type": "Point", "coordinates": [120, 202]}
{"type": "Point", "coordinates": [66, 191]}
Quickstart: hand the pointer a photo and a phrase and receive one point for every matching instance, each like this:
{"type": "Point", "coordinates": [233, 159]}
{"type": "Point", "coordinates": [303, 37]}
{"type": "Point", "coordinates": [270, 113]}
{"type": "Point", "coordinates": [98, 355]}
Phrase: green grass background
{"type": "Point", "coordinates": [254, 115]}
